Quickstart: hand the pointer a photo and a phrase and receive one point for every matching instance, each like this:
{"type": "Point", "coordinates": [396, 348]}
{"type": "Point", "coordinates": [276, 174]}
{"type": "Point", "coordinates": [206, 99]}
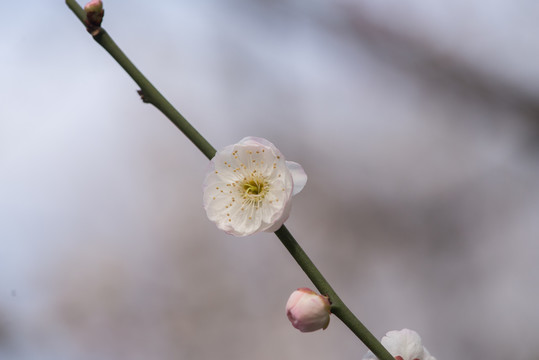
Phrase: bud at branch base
{"type": "Point", "coordinates": [307, 310]}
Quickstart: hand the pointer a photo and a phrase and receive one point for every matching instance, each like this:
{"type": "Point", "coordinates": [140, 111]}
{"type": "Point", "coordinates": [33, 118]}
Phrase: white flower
{"type": "Point", "coordinates": [250, 186]}
{"type": "Point", "coordinates": [403, 345]}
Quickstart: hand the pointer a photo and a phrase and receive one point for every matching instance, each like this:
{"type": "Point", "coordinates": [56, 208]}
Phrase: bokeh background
{"type": "Point", "coordinates": [416, 121]}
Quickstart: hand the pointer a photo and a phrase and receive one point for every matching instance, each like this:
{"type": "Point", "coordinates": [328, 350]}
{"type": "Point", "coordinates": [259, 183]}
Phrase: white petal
{"type": "Point", "coordinates": [369, 356]}
{"type": "Point", "coordinates": [282, 218]}
{"type": "Point", "coordinates": [256, 141]}
{"type": "Point", "coordinates": [298, 175]}
{"type": "Point", "coordinates": [427, 355]}
{"type": "Point", "coordinates": [245, 222]}
{"type": "Point", "coordinates": [405, 343]}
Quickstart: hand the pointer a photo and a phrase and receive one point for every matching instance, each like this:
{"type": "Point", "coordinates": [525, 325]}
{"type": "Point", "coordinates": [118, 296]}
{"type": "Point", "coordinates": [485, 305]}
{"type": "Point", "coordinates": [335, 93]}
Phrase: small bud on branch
{"type": "Point", "coordinates": [94, 16]}
{"type": "Point", "coordinates": [308, 311]}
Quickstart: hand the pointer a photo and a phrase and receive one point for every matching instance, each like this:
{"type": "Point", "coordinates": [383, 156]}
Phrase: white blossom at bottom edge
{"type": "Point", "coordinates": [403, 344]}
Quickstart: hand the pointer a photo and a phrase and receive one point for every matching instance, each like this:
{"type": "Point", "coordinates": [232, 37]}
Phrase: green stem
{"type": "Point", "coordinates": [148, 92]}
{"type": "Point", "coordinates": [151, 95]}
{"type": "Point", "coordinates": [338, 308]}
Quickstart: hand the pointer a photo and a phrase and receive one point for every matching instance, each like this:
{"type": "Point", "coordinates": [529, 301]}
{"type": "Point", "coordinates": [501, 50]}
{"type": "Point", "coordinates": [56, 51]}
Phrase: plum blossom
{"type": "Point", "coordinates": [308, 311]}
{"type": "Point", "coordinates": [250, 186]}
{"type": "Point", "coordinates": [403, 345]}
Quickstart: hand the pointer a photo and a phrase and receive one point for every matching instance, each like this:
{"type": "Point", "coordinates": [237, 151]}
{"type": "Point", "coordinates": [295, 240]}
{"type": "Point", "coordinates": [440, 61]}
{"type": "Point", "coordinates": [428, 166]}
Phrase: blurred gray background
{"type": "Point", "coordinates": [417, 122]}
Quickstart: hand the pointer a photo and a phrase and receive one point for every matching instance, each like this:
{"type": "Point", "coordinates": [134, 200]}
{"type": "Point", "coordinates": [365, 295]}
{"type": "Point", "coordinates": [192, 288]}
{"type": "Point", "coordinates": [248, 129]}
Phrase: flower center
{"type": "Point", "coordinates": [255, 189]}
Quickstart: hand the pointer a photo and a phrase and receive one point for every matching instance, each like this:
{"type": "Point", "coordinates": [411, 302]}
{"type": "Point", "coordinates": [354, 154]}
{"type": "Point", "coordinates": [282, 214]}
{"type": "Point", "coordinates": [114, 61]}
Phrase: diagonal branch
{"type": "Point", "coordinates": [148, 92]}
{"type": "Point", "coordinates": [151, 95]}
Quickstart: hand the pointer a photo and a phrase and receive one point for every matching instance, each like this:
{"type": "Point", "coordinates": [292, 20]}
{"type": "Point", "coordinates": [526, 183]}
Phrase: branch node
{"type": "Point", "coordinates": [145, 98]}
{"type": "Point", "coordinates": [92, 29]}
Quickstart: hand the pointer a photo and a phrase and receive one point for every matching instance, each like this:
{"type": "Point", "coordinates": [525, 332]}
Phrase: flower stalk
{"type": "Point", "coordinates": [148, 92]}
{"type": "Point", "coordinates": [338, 307]}
{"type": "Point", "coordinates": [151, 95]}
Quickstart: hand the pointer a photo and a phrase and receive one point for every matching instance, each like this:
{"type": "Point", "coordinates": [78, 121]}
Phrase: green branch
{"type": "Point", "coordinates": [148, 92]}
{"type": "Point", "coordinates": [338, 308]}
{"type": "Point", "coordinates": [151, 95]}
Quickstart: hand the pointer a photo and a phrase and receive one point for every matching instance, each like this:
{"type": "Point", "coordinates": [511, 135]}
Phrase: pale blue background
{"type": "Point", "coordinates": [421, 207]}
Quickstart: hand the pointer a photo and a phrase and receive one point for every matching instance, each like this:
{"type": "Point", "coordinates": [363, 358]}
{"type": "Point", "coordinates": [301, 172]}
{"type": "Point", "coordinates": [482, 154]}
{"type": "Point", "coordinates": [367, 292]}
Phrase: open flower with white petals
{"type": "Point", "coordinates": [250, 186]}
{"type": "Point", "coordinates": [403, 345]}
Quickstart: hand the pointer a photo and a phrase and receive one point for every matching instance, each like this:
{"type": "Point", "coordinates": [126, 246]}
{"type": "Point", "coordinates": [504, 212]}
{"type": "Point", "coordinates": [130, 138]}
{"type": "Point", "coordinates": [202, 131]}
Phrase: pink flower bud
{"type": "Point", "coordinates": [94, 16]}
{"type": "Point", "coordinates": [94, 6]}
{"type": "Point", "coordinates": [308, 311]}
